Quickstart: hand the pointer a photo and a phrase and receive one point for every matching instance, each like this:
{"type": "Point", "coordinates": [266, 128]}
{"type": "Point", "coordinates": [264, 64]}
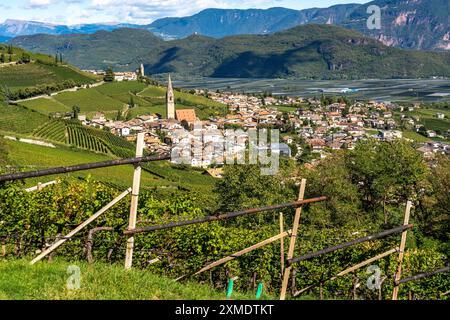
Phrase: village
{"type": "Point", "coordinates": [309, 128]}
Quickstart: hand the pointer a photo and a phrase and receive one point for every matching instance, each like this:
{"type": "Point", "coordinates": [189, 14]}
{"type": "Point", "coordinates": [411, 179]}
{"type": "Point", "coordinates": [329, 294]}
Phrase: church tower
{"type": "Point", "coordinates": [142, 71]}
{"type": "Point", "coordinates": [170, 100]}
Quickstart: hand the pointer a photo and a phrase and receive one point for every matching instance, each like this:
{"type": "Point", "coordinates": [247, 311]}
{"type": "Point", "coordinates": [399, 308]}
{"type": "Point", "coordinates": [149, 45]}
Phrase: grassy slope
{"type": "Point", "coordinates": [39, 71]}
{"type": "Point", "coordinates": [46, 105]}
{"type": "Point", "coordinates": [19, 119]}
{"type": "Point", "coordinates": [111, 97]}
{"type": "Point", "coordinates": [34, 157]}
{"type": "Point", "coordinates": [204, 107]}
{"type": "Point", "coordinates": [19, 280]}
{"type": "Point", "coordinates": [39, 157]}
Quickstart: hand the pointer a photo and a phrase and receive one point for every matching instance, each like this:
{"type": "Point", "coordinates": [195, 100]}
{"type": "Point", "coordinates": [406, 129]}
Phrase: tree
{"type": "Point", "coordinates": [25, 58]}
{"type": "Point", "coordinates": [75, 112]}
{"type": "Point", "coordinates": [109, 75]}
{"type": "Point", "coordinates": [243, 186]}
{"type": "Point", "coordinates": [2, 58]}
{"type": "Point", "coordinates": [56, 58]}
{"type": "Point", "coordinates": [119, 115]}
{"type": "Point", "coordinates": [10, 58]}
{"type": "Point", "coordinates": [386, 173]}
{"type": "Point", "coordinates": [185, 124]}
{"type": "Point", "coordinates": [131, 104]}
{"type": "Point", "coordinates": [10, 49]}
{"type": "Point", "coordinates": [60, 57]}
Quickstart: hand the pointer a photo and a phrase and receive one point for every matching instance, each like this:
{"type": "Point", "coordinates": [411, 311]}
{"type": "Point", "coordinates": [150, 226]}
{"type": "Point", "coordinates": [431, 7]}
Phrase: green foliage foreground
{"type": "Point", "coordinates": [362, 199]}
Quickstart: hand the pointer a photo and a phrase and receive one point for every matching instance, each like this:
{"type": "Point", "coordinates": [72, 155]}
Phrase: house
{"type": "Point", "coordinates": [99, 118]}
{"type": "Point", "coordinates": [440, 115]}
{"type": "Point", "coordinates": [148, 118]}
{"type": "Point", "coordinates": [187, 115]}
{"type": "Point", "coordinates": [288, 139]}
{"type": "Point", "coordinates": [317, 144]}
{"type": "Point", "coordinates": [390, 134]}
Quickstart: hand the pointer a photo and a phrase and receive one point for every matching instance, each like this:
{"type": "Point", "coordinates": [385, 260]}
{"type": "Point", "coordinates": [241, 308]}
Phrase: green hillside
{"type": "Point", "coordinates": [100, 281]}
{"type": "Point", "coordinates": [25, 74]}
{"type": "Point", "coordinates": [19, 119]}
{"type": "Point", "coordinates": [305, 52]}
{"type": "Point", "coordinates": [161, 175]}
{"type": "Point", "coordinates": [117, 48]}
{"type": "Point", "coordinates": [110, 98]}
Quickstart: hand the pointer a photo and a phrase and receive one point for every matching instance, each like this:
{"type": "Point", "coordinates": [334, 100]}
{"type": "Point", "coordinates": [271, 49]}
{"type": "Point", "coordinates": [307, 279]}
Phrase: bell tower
{"type": "Point", "coordinates": [170, 100]}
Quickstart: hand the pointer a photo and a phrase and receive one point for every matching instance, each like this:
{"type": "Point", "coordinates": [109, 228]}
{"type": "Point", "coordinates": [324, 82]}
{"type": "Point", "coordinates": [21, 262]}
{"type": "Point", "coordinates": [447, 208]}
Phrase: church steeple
{"type": "Point", "coordinates": [170, 100]}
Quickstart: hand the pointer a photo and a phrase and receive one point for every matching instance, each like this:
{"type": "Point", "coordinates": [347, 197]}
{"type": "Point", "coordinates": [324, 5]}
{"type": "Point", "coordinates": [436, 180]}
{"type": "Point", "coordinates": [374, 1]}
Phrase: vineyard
{"type": "Point", "coordinates": [79, 136]}
{"type": "Point", "coordinates": [75, 134]}
{"type": "Point", "coordinates": [18, 119]}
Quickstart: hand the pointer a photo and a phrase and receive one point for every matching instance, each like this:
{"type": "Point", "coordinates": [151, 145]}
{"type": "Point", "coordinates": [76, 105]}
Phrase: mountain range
{"type": "Point", "coordinates": [12, 28]}
{"type": "Point", "coordinates": [312, 51]}
{"type": "Point", "coordinates": [409, 24]}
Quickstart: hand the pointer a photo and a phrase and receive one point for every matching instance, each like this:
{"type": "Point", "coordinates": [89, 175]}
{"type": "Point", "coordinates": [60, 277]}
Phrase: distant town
{"type": "Point", "coordinates": [310, 127]}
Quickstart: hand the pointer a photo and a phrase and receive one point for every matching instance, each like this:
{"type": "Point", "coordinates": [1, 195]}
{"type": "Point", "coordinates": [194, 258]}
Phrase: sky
{"type": "Point", "coordinates": [74, 12]}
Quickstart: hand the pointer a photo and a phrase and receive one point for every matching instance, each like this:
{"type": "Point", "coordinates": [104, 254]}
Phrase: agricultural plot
{"type": "Point", "coordinates": [46, 105]}
{"type": "Point", "coordinates": [53, 130]}
{"type": "Point", "coordinates": [161, 174]}
{"type": "Point", "coordinates": [19, 119]}
{"type": "Point", "coordinates": [430, 121]}
{"type": "Point", "coordinates": [81, 137]}
{"type": "Point", "coordinates": [32, 74]}
{"type": "Point", "coordinates": [89, 100]}
{"type": "Point", "coordinates": [415, 136]}
{"type": "Point", "coordinates": [24, 155]}
{"type": "Point", "coordinates": [204, 107]}
{"type": "Point", "coordinates": [77, 135]}
{"type": "Point", "coordinates": [111, 89]}
{"type": "Point", "coordinates": [159, 109]}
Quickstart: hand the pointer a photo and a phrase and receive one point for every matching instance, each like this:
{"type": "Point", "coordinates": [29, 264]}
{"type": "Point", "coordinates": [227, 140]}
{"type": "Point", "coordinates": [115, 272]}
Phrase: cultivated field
{"type": "Point", "coordinates": [109, 98]}
{"type": "Point", "coordinates": [32, 74]}
{"type": "Point", "coordinates": [19, 119]}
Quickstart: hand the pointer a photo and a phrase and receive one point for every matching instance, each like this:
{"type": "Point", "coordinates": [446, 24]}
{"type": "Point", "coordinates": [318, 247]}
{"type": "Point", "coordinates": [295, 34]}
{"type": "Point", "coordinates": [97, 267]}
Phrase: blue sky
{"type": "Point", "coordinates": [134, 11]}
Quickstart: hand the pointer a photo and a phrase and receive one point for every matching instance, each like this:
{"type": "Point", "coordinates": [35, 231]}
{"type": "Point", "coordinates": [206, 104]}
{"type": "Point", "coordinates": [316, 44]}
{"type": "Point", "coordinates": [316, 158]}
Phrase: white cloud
{"type": "Point", "coordinates": [34, 4]}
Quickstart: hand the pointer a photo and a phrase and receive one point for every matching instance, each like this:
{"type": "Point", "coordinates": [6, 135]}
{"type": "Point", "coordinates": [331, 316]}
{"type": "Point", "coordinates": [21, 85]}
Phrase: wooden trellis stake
{"type": "Point", "coordinates": [353, 268]}
{"type": "Point", "coordinates": [244, 251]}
{"type": "Point", "coordinates": [134, 200]}
{"type": "Point", "coordinates": [281, 243]}
{"type": "Point", "coordinates": [398, 274]}
{"type": "Point", "coordinates": [298, 213]}
{"type": "Point", "coordinates": [81, 226]}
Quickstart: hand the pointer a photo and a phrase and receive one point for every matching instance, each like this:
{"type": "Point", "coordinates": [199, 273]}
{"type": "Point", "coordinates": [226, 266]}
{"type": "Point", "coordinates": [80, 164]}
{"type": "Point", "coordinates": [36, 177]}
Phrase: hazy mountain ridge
{"type": "Point", "coordinates": [219, 23]}
{"type": "Point", "coordinates": [410, 24]}
{"type": "Point", "coordinates": [12, 28]}
{"type": "Point", "coordinates": [117, 48]}
{"type": "Point", "coordinates": [312, 51]}
{"type": "Point", "coordinates": [309, 51]}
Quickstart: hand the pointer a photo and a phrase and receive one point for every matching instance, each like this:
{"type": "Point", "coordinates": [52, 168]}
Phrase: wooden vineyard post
{"type": "Point", "coordinates": [353, 268]}
{"type": "Point", "coordinates": [281, 244]}
{"type": "Point", "coordinates": [244, 251]}
{"type": "Point", "coordinates": [298, 213]}
{"type": "Point", "coordinates": [398, 274]}
{"type": "Point", "coordinates": [134, 200]}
